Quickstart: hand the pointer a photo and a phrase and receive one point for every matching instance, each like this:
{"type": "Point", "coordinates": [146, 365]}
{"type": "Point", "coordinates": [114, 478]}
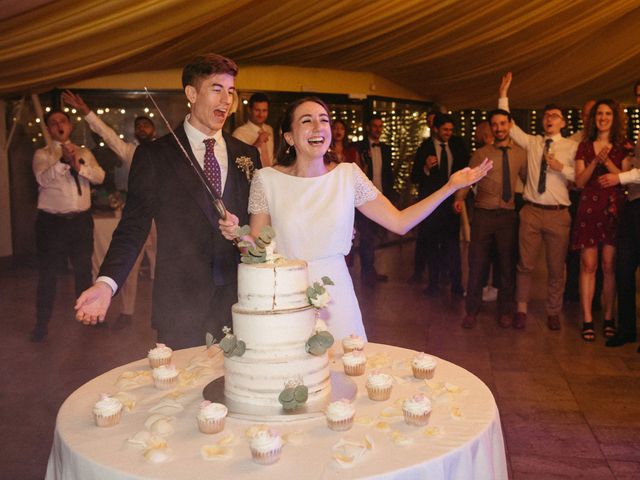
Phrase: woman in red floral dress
{"type": "Point", "coordinates": [601, 152]}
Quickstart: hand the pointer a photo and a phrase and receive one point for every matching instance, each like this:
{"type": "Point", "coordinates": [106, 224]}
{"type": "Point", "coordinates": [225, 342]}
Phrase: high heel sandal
{"type": "Point", "coordinates": [610, 328]}
{"type": "Point", "coordinates": [588, 333]}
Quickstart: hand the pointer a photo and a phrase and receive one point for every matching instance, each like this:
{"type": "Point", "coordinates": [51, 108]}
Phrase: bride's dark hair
{"type": "Point", "coordinates": [286, 155]}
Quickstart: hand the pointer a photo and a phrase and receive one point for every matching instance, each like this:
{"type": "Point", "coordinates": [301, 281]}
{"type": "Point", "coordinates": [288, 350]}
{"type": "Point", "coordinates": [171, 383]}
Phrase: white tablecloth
{"type": "Point", "coordinates": [463, 441]}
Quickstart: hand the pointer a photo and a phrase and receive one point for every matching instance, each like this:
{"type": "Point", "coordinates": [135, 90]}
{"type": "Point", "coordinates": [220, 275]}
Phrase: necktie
{"type": "Point", "coordinates": [74, 174]}
{"type": "Point", "coordinates": [506, 175]}
{"type": "Point", "coordinates": [542, 179]}
{"type": "Point", "coordinates": [211, 166]}
{"type": "Point", "coordinates": [444, 160]}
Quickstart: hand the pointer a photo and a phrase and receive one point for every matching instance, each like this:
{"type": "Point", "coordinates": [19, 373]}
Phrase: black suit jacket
{"type": "Point", "coordinates": [427, 184]}
{"type": "Point", "coordinates": [387, 170]}
{"type": "Point", "coordinates": [193, 258]}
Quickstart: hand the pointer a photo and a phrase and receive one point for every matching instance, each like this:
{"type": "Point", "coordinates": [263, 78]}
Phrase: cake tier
{"type": "Point", "coordinates": [257, 381]}
{"type": "Point", "coordinates": [275, 331]}
{"type": "Point", "coordinates": [272, 286]}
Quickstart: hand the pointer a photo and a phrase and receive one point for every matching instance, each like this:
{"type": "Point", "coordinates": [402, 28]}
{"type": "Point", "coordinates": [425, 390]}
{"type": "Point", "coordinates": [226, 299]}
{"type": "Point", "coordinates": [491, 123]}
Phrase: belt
{"type": "Point", "coordinates": [546, 207]}
{"type": "Point", "coordinates": [66, 216]}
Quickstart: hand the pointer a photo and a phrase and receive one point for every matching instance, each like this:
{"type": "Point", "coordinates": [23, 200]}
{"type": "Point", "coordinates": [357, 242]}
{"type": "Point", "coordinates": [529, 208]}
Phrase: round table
{"type": "Point", "coordinates": [463, 439]}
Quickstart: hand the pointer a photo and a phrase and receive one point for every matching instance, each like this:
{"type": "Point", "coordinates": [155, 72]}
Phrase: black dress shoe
{"type": "Point", "coordinates": [619, 340]}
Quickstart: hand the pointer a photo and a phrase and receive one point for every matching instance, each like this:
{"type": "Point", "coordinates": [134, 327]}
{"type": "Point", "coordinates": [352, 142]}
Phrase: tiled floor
{"type": "Point", "coordinates": [569, 409]}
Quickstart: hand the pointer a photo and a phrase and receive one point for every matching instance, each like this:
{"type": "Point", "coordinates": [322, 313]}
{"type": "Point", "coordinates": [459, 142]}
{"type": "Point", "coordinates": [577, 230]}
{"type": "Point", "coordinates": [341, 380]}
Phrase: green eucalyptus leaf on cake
{"type": "Point", "coordinates": [327, 281]}
{"type": "Point", "coordinates": [301, 393]}
{"type": "Point", "coordinates": [326, 339]}
{"type": "Point", "coordinates": [239, 350]}
{"type": "Point", "coordinates": [292, 405]}
{"type": "Point", "coordinates": [243, 231]}
{"type": "Point", "coordinates": [311, 293]}
{"type": "Point", "coordinates": [287, 395]}
{"type": "Point", "coordinates": [209, 340]}
{"type": "Point", "coordinates": [228, 343]}
{"type": "Point", "coordinates": [316, 350]}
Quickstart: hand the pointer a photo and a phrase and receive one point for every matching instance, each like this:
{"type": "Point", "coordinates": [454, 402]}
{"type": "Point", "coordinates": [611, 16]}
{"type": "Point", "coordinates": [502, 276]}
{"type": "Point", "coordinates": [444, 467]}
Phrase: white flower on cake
{"type": "Point", "coordinates": [321, 300]}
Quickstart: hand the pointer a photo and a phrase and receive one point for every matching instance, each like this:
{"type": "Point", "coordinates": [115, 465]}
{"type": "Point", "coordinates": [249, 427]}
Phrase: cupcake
{"type": "Point", "coordinates": [423, 366]}
{"type": "Point", "coordinates": [379, 386]}
{"type": "Point", "coordinates": [161, 355]}
{"type": "Point", "coordinates": [107, 411]}
{"type": "Point", "coordinates": [211, 417]}
{"type": "Point", "coordinates": [266, 446]}
{"type": "Point", "coordinates": [165, 377]}
{"type": "Point", "coordinates": [340, 415]}
{"type": "Point", "coordinates": [416, 410]}
{"type": "Point", "coordinates": [352, 342]}
{"type": "Point", "coordinates": [354, 363]}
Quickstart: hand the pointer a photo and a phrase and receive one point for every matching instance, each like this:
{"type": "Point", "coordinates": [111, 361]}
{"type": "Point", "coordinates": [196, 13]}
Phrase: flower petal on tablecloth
{"type": "Point", "coordinates": [168, 407]}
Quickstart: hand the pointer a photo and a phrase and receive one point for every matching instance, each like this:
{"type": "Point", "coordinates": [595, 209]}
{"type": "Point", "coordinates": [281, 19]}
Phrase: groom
{"type": "Point", "coordinates": [196, 269]}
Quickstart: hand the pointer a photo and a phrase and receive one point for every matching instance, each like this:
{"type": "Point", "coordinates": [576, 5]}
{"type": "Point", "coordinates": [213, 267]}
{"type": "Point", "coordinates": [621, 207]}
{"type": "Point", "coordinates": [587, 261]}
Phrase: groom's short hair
{"type": "Point", "coordinates": [205, 65]}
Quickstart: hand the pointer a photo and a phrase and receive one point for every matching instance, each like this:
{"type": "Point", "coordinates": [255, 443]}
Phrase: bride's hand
{"type": "Point", "coordinates": [469, 176]}
{"type": "Point", "coordinates": [229, 226]}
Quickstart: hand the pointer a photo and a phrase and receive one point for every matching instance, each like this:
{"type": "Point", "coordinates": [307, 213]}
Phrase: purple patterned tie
{"type": "Point", "coordinates": [211, 166]}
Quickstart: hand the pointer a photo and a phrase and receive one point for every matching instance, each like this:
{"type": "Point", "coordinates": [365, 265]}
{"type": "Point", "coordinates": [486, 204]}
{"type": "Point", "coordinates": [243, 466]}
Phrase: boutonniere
{"type": "Point", "coordinates": [246, 165]}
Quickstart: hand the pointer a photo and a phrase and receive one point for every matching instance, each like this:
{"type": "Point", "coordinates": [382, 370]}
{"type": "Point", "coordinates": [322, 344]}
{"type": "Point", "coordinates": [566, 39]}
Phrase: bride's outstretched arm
{"type": "Point", "coordinates": [382, 211]}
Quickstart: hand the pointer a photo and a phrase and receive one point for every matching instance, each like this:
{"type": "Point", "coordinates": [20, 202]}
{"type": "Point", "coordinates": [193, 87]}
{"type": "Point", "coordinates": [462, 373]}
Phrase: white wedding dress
{"type": "Point", "coordinates": [313, 221]}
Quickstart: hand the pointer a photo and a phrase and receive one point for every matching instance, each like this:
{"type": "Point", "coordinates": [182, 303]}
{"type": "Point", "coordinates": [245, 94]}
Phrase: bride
{"type": "Point", "coordinates": [309, 199]}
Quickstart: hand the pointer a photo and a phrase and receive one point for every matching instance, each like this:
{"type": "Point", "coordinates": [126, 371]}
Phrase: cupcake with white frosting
{"type": "Point", "coordinates": [266, 447]}
{"type": "Point", "coordinates": [352, 342]}
{"type": "Point", "coordinates": [160, 355]}
{"type": "Point", "coordinates": [416, 410]}
{"type": "Point", "coordinates": [211, 417]}
{"type": "Point", "coordinates": [354, 363]}
{"type": "Point", "coordinates": [165, 377]}
{"type": "Point", "coordinates": [340, 415]}
{"type": "Point", "coordinates": [107, 411]}
{"type": "Point", "coordinates": [379, 386]}
{"type": "Point", "coordinates": [423, 366]}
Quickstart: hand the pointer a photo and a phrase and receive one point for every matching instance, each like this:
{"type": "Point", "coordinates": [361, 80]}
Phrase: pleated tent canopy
{"type": "Point", "coordinates": [451, 52]}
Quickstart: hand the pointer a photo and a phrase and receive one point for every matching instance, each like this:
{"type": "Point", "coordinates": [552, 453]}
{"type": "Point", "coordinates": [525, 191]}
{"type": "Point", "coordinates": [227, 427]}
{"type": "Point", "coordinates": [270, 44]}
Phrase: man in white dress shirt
{"type": "Point", "coordinates": [256, 131]}
{"type": "Point", "coordinates": [64, 226]}
{"type": "Point", "coordinates": [544, 219]}
{"type": "Point", "coordinates": [144, 132]}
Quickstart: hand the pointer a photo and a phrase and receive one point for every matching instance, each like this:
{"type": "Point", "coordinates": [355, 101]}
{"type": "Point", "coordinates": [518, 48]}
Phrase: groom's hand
{"type": "Point", "coordinates": [229, 226]}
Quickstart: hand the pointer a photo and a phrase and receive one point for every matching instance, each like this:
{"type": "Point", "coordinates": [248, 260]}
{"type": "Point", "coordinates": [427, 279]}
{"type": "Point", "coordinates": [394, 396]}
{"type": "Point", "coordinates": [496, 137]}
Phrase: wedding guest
{"type": "Point", "coordinates": [544, 219]}
{"type": "Point", "coordinates": [340, 145]}
{"type": "Point", "coordinates": [196, 274]}
{"type": "Point", "coordinates": [144, 132]}
{"type": "Point", "coordinates": [257, 131]}
{"type": "Point", "coordinates": [438, 243]}
{"type": "Point", "coordinates": [494, 219]}
{"type": "Point", "coordinates": [602, 151]}
{"type": "Point", "coordinates": [628, 246]}
{"type": "Point", "coordinates": [375, 157]}
{"type": "Point", "coordinates": [64, 226]}
{"type": "Point", "coordinates": [309, 199]}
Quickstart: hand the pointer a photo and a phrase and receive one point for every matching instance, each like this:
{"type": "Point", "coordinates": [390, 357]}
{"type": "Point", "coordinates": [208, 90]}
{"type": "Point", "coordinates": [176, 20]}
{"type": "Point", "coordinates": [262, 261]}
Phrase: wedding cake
{"type": "Point", "coordinates": [274, 319]}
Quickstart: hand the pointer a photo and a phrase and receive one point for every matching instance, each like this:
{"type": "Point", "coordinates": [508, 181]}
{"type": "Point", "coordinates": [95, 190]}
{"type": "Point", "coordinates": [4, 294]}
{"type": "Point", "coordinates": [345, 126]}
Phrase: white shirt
{"type": "Point", "coordinates": [196, 140]}
{"type": "Point", "coordinates": [248, 133]}
{"type": "Point", "coordinates": [57, 189]}
{"type": "Point", "coordinates": [556, 191]}
{"type": "Point", "coordinates": [632, 177]}
{"type": "Point", "coordinates": [376, 164]}
{"type": "Point", "coordinates": [123, 149]}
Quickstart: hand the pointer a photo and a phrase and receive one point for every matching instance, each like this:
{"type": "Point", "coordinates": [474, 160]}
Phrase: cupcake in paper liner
{"type": "Point", "coordinates": [211, 417]}
{"type": "Point", "coordinates": [379, 386]}
{"type": "Point", "coordinates": [107, 411]}
{"type": "Point", "coordinates": [340, 415]}
{"type": "Point", "coordinates": [423, 366]}
{"type": "Point", "coordinates": [165, 377]}
{"type": "Point", "coordinates": [416, 410]}
{"type": "Point", "coordinates": [354, 363]}
{"type": "Point", "coordinates": [352, 342]}
{"type": "Point", "coordinates": [160, 355]}
{"type": "Point", "coordinates": [266, 447]}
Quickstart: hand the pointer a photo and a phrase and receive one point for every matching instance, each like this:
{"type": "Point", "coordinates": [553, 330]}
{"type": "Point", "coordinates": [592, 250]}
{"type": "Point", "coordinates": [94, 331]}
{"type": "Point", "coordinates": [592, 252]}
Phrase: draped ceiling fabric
{"type": "Point", "coordinates": [451, 52]}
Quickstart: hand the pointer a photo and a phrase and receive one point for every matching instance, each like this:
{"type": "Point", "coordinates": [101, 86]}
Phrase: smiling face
{"type": "Point", "coordinates": [310, 132]}
{"type": "Point", "coordinates": [210, 102]}
{"type": "Point", "coordinates": [500, 126]}
{"type": "Point", "coordinates": [444, 132]}
{"type": "Point", "coordinates": [604, 118]}
{"type": "Point", "coordinates": [553, 121]}
{"type": "Point", "coordinates": [59, 127]}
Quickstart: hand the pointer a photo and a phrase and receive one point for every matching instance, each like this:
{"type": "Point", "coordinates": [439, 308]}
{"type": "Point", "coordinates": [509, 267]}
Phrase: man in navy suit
{"type": "Point", "coordinates": [376, 163]}
{"type": "Point", "coordinates": [438, 243]}
{"type": "Point", "coordinates": [196, 269]}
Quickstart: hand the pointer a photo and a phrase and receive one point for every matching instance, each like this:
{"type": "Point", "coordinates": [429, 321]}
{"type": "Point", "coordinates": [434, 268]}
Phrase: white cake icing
{"type": "Point", "coordinates": [274, 319]}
